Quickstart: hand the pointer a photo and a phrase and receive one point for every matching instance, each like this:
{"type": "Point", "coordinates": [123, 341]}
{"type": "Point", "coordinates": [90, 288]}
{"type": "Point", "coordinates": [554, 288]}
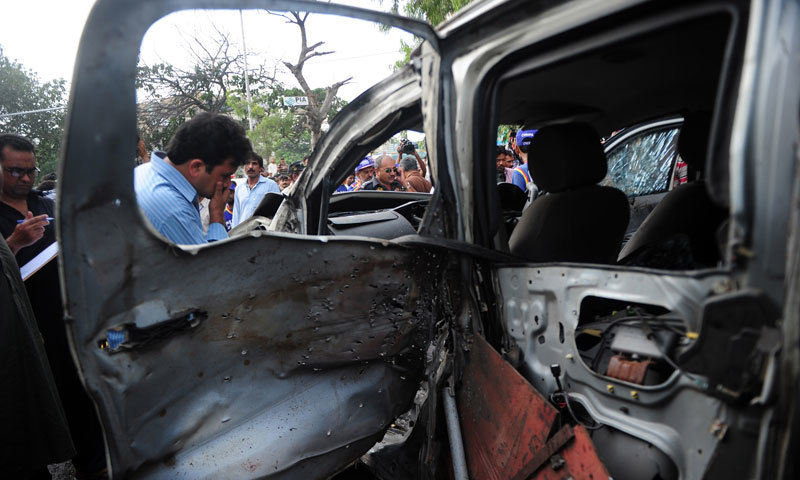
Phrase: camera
{"type": "Point", "coordinates": [407, 146]}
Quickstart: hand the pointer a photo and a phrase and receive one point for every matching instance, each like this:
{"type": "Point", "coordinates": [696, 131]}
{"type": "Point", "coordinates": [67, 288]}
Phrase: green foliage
{"type": "Point", "coordinates": [20, 91]}
{"type": "Point", "coordinates": [504, 133]}
{"type": "Point", "coordinates": [278, 130]}
{"type": "Point", "coordinates": [433, 11]}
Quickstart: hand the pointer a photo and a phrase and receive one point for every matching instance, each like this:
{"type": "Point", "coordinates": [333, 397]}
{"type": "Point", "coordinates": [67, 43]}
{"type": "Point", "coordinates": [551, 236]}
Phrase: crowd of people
{"type": "Point", "coordinates": [407, 173]}
{"type": "Point", "coordinates": [512, 159]}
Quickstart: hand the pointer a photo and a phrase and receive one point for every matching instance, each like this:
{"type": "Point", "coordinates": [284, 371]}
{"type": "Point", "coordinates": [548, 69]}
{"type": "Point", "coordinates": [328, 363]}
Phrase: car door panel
{"type": "Point", "coordinates": [294, 355]}
{"type": "Point", "coordinates": [544, 312]}
{"type": "Point", "coordinates": [265, 354]}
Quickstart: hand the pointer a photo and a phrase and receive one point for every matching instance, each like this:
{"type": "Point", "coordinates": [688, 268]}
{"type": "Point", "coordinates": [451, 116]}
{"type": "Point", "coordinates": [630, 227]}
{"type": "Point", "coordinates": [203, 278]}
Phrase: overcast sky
{"type": "Point", "coordinates": [43, 35]}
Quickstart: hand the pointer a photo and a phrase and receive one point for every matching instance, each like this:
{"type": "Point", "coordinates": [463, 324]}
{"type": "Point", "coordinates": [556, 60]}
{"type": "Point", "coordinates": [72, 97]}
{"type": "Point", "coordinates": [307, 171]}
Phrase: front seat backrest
{"type": "Point", "coordinates": [686, 210]}
{"type": "Point", "coordinates": [577, 220]}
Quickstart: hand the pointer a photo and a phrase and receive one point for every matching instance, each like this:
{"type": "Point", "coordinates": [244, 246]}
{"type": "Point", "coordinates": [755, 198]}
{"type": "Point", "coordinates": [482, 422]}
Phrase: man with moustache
{"type": "Point", "coordinates": [284, 181]}
{"type": "Point", "coordinates": [249, 194]}
{"type": "Point", "coordinates": [26, 229]}
{"type": "Point", "coordinates": [385, 175]}
{"type": "Point", "coordinates": [364, 172]}
{"type": "Point", "coordinates": [35, 431]}
{"type": "Point", "coordinates": [199, 162]}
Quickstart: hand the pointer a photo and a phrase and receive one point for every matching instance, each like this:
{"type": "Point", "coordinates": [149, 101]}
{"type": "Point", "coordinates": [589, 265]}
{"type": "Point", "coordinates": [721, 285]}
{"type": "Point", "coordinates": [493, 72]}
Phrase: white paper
{"type": "Point", "coordinates": [39, 261]}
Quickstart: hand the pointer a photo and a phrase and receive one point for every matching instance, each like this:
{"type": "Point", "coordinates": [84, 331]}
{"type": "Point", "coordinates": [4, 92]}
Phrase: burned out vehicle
{"type": "Point", "coordinates": [534, 348]}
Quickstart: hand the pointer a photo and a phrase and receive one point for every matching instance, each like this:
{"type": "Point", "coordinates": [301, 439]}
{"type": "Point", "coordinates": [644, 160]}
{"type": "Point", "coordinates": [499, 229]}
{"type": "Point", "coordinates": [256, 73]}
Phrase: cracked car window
{"type": "Point", "coordinates": [642, 165]}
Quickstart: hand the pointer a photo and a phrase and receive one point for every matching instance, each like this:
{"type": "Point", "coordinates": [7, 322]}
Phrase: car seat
{"type": "Point", "coordinates": [576, 220]}
{"type": "Point", "coordinates": [681, 231]}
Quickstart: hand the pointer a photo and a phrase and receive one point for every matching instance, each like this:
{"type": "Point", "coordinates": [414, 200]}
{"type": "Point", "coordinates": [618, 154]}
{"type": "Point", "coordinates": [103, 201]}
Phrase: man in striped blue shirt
{"type": "Point", "coordinates": [199, 161]}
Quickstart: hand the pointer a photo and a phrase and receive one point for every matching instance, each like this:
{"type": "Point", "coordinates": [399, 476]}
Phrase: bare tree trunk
{"type": "Point", "coordinates": [316, 111]}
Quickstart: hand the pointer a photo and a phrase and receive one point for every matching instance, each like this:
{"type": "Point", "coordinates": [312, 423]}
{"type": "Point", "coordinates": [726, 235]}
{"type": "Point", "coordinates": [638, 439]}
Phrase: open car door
{"type": "Point", "coordinates": [269, 354]}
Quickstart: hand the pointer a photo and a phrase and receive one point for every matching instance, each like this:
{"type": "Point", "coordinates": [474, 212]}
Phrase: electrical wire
{"type": "Point", "coordinates": [651, 336]}
{"type": "Point", "coordinates": [597, 424]}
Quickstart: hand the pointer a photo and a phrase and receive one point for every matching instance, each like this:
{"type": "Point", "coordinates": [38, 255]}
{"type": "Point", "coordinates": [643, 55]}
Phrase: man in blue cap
{"type": "Point", "coordinates": [364, 173]}
{"type": "Point", "coordinates": [521, 176]}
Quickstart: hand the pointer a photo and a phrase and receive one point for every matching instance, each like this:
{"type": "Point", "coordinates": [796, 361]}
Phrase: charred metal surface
{"type": "Point", "coordinates": [541, 311]}
{"type": "Point", "coordinates": [504, 420]}
{"type": "Point", "coordinates": [301, 355]}
{"type": "Point", "coordinates": [578, 460]}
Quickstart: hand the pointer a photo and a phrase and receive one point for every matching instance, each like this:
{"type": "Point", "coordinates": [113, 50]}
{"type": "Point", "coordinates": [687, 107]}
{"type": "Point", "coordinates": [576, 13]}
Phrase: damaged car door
{"type": "Point", "coordinates": [667, 366]}
{"type": "Point", "coordinates": [269, 354]}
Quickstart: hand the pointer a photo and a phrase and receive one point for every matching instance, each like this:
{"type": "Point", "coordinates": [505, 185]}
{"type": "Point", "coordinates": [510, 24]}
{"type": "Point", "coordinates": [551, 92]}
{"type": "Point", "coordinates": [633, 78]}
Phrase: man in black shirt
{"type": "Point", "coordinates": [385, 175]}
{"type": "Point", "coordinates": [35, 431]}
{"type": "Point", "coordinates": [24, 225]}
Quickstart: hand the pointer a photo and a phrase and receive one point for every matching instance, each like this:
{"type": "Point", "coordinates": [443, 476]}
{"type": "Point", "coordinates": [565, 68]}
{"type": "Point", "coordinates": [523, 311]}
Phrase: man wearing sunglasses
{"type": "Point", "coordinates": [23, 210]}
{"type": "Point", "coordinates": [385, 175]}
{"type": "Point", "coordinates": [24, 225]}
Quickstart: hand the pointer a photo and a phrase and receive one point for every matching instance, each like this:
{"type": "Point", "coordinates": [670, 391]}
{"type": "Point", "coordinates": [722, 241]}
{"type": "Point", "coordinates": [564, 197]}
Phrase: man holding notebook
{"type": "Point", "coordinates": [23, 210]}
{"type": "Point", "coordinates": [25, 224]}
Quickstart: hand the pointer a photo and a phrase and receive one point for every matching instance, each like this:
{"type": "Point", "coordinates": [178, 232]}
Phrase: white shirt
{"type": "Point", "coordinates": [246, 199]}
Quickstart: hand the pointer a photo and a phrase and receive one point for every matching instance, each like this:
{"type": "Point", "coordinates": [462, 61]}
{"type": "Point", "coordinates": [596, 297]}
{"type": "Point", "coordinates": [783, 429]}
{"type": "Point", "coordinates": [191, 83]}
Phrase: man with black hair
{"type": "Point", "coordinates": [24, 225]}
{"type": "Point", "coordinates": [48, 185]}
{"type": "Point", "coordinates": [229, 206]}
{"type": "Point", "coordinates": [23, 210]}
{"type": "Point", "coordinates": [503, 172]}
{"type": "Point", "coordinates": [284, 181]}
{"type": "Point", "coordinates": [199, 162]}
{"type": "Point", "coordinates": [250, 193]}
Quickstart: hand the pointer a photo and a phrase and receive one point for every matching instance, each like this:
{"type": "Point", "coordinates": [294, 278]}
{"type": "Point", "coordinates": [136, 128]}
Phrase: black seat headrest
{"type": "Point", "coordinates": [693, 139]}
{"type": "Point", "coordinates": [566, 156]}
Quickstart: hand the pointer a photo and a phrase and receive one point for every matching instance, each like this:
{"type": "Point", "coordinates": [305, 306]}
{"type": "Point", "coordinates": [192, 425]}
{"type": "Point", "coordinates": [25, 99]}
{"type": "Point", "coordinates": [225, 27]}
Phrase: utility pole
{"type": "Point", "coordinates": [246, 75]}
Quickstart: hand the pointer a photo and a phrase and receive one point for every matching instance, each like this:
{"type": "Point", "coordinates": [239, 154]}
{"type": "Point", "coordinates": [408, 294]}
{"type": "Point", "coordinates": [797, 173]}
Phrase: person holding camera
{"type": "Point", "coordinates": [407, 147]}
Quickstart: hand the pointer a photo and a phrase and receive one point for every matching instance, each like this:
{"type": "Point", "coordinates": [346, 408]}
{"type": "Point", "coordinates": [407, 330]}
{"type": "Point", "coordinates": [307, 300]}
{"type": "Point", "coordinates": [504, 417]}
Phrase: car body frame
{"type": "Point", "coordinates": [230, 360]}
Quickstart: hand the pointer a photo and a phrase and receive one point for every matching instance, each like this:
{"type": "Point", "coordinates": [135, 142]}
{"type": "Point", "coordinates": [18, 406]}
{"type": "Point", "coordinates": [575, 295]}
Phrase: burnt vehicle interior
{"type": "Point", "coordinates": [378, 214]}
{"type": "Point", "coordinates": [623, 360]}
{"type": "Point", "coordinates": [643, 162]}
{"type": "Point", "coordinates": [364, 126]}
{"type": "Point", "coordinates": [673, 70]}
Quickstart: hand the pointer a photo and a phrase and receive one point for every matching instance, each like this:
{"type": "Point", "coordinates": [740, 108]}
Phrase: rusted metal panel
{"type": "Point", "coordinates": [577, 461]}
{"type": "Point", "coordinates": [544, 454]}
{"type": "Point", "coordinates": [504, 420]}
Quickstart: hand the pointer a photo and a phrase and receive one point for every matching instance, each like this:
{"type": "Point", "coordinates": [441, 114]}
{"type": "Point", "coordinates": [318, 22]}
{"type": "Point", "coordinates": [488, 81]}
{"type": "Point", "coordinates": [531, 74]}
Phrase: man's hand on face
{"type": "Point", "coordinates": [28, 232]}
{"type": "Point", "coordinates": [216, 207]}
